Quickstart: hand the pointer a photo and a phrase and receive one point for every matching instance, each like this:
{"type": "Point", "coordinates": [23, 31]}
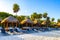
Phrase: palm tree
{"type": "Point", "coordinates": [16, 8]}
{"type": "Point", "coordinates": [58, 20]}
{"type": "Point", "coordinates": [52, 22]}
{"type": "Point", "coordinates": [45, 15]}
{"type": "Point", "coordinates": [39, 16]}
{"type": "Point", "coordinates": [34, 16]}
{"type": "Point", "coordinates": [52, 19]}
{"type": "Point", "coordinates": [58, 23]}
{"type": "Point", "coordinates": [47, 21]}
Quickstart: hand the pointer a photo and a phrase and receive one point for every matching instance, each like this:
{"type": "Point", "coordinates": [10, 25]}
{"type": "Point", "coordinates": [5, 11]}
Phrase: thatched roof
{"type": "Point", "coordinates": [26, 21]}
{"type": "Point", "coordinates": [35, 21]}
{"type": "Point", "coordinates": [43, 23]}
{"type": "Point", "coordinates": [58, 24]}
{"type": "Point", "coordinates": [9, 19]}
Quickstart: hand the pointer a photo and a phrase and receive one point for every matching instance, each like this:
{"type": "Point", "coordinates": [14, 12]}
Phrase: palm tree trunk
{"type": "Point", "coordinates": [16, 14]}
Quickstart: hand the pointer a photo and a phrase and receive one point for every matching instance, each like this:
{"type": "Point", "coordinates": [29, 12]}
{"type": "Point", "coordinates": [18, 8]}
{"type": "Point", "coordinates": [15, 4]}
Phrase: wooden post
{"type": "Point", "coordinates": [16, 24]}
{"type": "Point", "coordinates": [32, 25]}
{"type": "Point", "coordinates": [22, 25]}
{"type": "Point", "coordinates": [26, 24]}
{"type": "Point", "coordinates": [7, 25]}
{"type": "Point", "coordinates": [4, 25]}
{"type": "Point", "coordinates": [12, 24]}
{"type": "Point", "coordinates": [29, 24]}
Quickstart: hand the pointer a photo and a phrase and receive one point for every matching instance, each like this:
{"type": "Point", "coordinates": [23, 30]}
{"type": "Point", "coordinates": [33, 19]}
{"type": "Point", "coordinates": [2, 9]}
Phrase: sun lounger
{"type": "Point", "coordinates": [35, 30]}
{"type": "Point", "coordinates": [17, 30]}
{"type": "Point", "coordinates": [0, 29]}
{"type": "Point", "coordinates": [4, 32]}
{"type": "Point", "coordinates": [45, 29]}
{"type": "Point", "coordinates": [11, 31]}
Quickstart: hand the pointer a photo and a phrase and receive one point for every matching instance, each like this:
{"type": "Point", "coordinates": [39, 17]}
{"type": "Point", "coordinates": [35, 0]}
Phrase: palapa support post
{"type": "Point", "coordinates": [29, 25]}
{"type": "Point", "coordinates": [32, 25]}
{"type": "Point", "coordinates": [40, 25]}
{"type": "Point", "coordinates": [12, 24]}
{"type": "Point", "coordinates": [7, 27]}
{"type": "Point", "coordinates": [16, 24]}
{"type": "Point", "coordinates": [4, 25]}
{"type": "Point", "coordinates": [21, 25]}
{"type": "Point", "coordinates": [26, 24]}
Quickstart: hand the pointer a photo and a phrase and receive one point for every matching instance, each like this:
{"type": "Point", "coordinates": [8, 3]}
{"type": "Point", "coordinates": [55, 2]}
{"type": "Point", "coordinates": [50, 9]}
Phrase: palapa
{"type": "Point", "coordinates": [10, 19]}
{"type": "Point", "coordinates": [26, 21]}
{"type": "Point", "coordinates": [58, 24]}
{"type": "Point", "coordinates": [43, 23]}
{"type": "Point", "coordinates": [36, 22]}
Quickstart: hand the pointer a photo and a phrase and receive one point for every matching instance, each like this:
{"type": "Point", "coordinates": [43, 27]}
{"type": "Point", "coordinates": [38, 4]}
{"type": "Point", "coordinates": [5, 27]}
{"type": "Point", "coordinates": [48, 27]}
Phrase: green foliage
{"type": "Point", "coordinates": [45, 15]}
{"type": "Point", "coordinates": [16, 8]}
{"type": "Point", "coordinates": [48, 18]}
{"type": "Point", "coordinates": [39, 15]}
{"type": "Point", "coordinates": [48, 21]}
{"type": "Point", "coordinates": [22, 18]}
{"type": "Point", "coordinates": [58, 20]}
{"type": "Point", "coordinates": [40, 21]}
{"type": "Point", "coordinates": [52, 23]}
{"type": "Point", "coordinates": [27, 17]}
{"type": "Point", "coordinates": [4, 15]}
{"type": "Point", "coordinates": [18, 17]}
{"type": "Point", "coordinates": [52, 19]}
{"type": "Point", "coordinates": [34, 15]}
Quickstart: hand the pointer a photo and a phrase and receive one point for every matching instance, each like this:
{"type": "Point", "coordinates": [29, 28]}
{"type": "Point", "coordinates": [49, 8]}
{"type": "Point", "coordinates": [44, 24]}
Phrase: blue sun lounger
{"type": "Point", "coordinates": [16, 29]}
{"type": "Point", "coordinates": [3, 32]}
{"type": "Point", "coordinates": [11, 29]}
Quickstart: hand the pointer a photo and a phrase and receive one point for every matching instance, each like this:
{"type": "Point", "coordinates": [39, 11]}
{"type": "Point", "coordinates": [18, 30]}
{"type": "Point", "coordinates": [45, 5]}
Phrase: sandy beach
{"type": "Point", "coordinates": [54, 35]}
{"type": "Point", "coordinates": [30, 37]}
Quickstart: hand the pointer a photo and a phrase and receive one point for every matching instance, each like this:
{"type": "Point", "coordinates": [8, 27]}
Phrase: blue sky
{"type": "Point", "coordinates": [52, 7]}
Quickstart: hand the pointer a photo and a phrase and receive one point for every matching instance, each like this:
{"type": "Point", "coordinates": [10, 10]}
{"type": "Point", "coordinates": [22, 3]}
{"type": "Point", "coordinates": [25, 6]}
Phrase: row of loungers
{"type": "Point", "coordinates": [16, 30]}
{"type": "Point", "coordinates": [12, 31]}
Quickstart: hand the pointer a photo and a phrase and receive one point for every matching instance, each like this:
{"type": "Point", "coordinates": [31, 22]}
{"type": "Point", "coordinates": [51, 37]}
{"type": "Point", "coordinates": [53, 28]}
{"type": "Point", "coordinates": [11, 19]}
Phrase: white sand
{"type": "Point", "coordinates": [32, 37]}
{"type": "Point", "coordinates": [54, 35]}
